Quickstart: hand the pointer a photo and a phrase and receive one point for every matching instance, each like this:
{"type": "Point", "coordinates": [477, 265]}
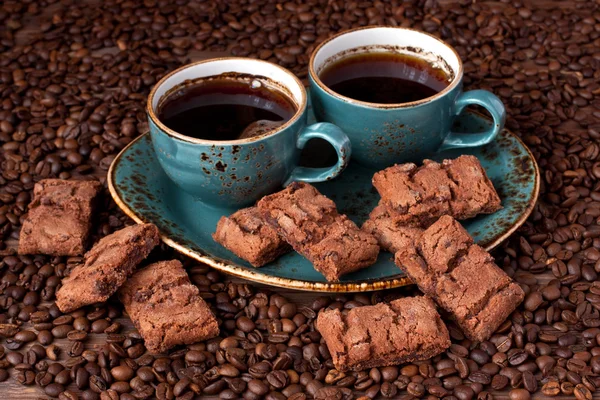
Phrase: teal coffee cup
{"type": "Point", "coordinates": [236, 173]}
{"type": "Point", "coordinates": [385, 134]}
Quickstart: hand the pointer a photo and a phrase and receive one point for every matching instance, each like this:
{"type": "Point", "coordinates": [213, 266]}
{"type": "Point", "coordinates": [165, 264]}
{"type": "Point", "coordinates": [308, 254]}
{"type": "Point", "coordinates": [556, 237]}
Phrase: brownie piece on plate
{"type": "Point", "coordinates": [405, 330]}
{"type": "Point", "coordinates": [166, 308]}
{"type": "Point", "coordinates": [59, 218]}
{"type": "Point", "coordinates": [391, 235]}
{"type": "Point", "coordinates": [311, 223]}
{"type": "Point", "coordinates": [246, 234]}
{"type": "Point", "coordinates": [419, 195]}
{"type": "Point", "coordinates": [474, 193]}
{"type": "Point", "coordinates": [106, 267]}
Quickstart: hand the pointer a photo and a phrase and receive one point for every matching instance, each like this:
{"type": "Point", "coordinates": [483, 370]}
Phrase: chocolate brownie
{"type": "Point", "coordinates": [391, 235]}
{"type": "Point", "coordinates": [461, 277]}
{"type": "Point", "coordinates": [405, 330]}
{"type": "Point", "coordinates": [458, 187]}
{"type": "Point", "coordinates": [248, 236]}
{"type": "Point", "coordinates": [166, 308]}
{"type": "Point", "coordinates": [106, 267]}
{"type": "Point", "coordinates": [474, 193]}
{"type": "Point", "coordinates": [311, 223]}
{"type": "Point", "coordinates": [59, 218]}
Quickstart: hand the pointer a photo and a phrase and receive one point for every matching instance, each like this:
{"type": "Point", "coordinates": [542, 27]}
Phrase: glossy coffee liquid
{"type": "Point", "coordinates": [384, 78]}
{"type": "Point", "coordinates": [225, 109]}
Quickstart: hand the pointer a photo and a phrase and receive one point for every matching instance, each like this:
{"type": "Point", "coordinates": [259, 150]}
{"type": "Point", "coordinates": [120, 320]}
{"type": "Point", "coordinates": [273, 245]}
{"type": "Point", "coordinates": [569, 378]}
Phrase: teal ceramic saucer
{"type": "Point", "coordinates": [144, 192]}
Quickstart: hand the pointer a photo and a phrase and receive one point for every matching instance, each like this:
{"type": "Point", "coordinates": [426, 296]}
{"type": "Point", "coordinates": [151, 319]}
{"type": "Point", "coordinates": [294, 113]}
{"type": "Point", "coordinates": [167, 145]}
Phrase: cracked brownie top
{"type": "Point", "coordinates": [458, 187]}
{"type": "Point", "coordinates": [106, 266]}
{"type": "Point", "coordinates": [59, 217]}
{"type": "Point", "coordinates": [166, 308]}
{"type": "Point", "coordinates": [384, 334]}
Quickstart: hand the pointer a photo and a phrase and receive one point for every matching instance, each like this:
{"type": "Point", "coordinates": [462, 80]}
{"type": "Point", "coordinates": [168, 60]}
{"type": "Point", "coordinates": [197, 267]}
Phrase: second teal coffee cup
{"type": "Point", "coordinates": [236, 173]}
{"type": "Point", "coordinates": [385, 134]}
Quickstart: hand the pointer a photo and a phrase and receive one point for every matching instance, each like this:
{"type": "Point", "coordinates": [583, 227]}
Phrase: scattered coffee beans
{"type": "Point", "coordinates": [74, 85]}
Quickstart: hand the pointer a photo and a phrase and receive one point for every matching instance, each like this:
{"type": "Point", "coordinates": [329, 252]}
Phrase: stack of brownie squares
{"type": "Point", "coordinates": [161, 301]}
{"type": "Point", "coordinates": [415, 220]}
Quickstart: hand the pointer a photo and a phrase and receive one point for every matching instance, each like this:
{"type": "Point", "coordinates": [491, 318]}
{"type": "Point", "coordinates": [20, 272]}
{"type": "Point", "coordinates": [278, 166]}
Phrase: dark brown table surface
{"type": "Point", "coordinates": [10, 389]}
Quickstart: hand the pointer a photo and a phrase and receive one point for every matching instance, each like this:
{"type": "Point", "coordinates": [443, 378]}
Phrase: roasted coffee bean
{"type": "Point", "coordinates": [97, 384]}
{"type": "Point", "coordinates": [388, 390]}
{"type": "Point", "coordinates": [529, 381]}
{"type": "Point", "coordinates": [82, 378]}
{"type": "Point", "coordinates": [61, 331]}
{"type": "Point", "coordinates": [54, 389]}
{"type": "Point", "coordinates": [277, 379]}
{"type": "Point", "coordinates": [415, 389]}
{"type": "Point", "coordinates": [519, 394]}
{"type": "Point", "coordinates": [122, 373]}
{"type": "Point", "coordinates": [25, 336]}
{"type": "Point", "coordinates": [551, 388]}
{"type": "Point", "coordinates": [499, 382]}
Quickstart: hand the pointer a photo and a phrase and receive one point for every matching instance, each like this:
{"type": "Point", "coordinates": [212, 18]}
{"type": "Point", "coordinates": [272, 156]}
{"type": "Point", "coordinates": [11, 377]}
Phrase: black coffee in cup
{"type": "Point", "coordinates": [384, 77]}
{"type": "Point", "coordinates": [225, 108]}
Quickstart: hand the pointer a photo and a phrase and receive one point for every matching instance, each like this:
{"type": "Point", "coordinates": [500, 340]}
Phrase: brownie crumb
{"type": "Point", "coordinates": [59, 218]}
{"type": "Point", "coordinates": [248, 236]}
{"type": "Point", "coordinates": [106, 267]}
{"type": "Point", "coordinates": [166, 308]}
{"type": "Point", "coordinates": [461, 277]}
{"type": "Point", "coordinates": [311, 223]}
{"type": "Point", "coordinates": [405, 330]}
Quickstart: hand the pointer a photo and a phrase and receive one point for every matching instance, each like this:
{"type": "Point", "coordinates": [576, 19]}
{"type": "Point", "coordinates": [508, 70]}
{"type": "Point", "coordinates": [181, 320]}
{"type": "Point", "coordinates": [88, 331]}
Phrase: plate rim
{"type": "Point", "coordinates": [341, 287]}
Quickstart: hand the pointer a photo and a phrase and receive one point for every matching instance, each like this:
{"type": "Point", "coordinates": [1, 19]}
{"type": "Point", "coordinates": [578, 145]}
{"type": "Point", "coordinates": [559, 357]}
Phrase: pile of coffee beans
{"type": "Point", "coordinates": [74, 77]}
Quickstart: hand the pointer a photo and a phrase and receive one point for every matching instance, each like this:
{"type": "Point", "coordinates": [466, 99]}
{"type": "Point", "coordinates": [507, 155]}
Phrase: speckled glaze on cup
{"type": "Point", "coordinates": [385, 134]}
{"type": "Point", "coordinates": [236, 173]}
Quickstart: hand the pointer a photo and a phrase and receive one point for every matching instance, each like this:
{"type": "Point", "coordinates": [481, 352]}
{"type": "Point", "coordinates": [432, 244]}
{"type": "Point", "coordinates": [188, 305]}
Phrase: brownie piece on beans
{"type": "Point", "coordinates": [405, 330]}
{"type": "Point", "coordinates": [166, 308]}
{"type": "Point", "coordinates": [106, 267]}
{"type": "Point", "coordinates": [59, 218]}
{"type": "Point", "coordinates": [461, 277]}
{"type": "Point", "coordinates": [311, 223]}
{"type": "Point", "coordinates": [246, 234]}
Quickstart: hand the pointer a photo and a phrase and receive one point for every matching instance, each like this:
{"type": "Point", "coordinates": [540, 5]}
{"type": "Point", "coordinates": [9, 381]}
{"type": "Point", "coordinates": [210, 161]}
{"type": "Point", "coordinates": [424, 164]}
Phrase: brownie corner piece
{"type": "Point", "coordinates": [166, 307]}
{"type": "Point", "coordinates": [474, 192]}
{"type": "Point", "coordinates": [246, 234]}
{"type": "Point", "coordinates": [106, 266]}
{"type": "Point", "coordinates": [396, 187]}
{"type": "Point", "coordinates": [344, 249]}
{"type": "Point", "coordinates": [59, 218]}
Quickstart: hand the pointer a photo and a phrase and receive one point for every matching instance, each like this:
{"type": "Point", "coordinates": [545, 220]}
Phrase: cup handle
{"type": "Point", "coordinates": [490, 102]}
{"type": "Point", "coordinates": [340, 142]}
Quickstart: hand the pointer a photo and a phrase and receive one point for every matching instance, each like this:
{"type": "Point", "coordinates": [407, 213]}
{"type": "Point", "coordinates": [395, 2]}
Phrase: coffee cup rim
{"type": "Point", "coordinates": [170, 132]}
{"type": "Point", "coordinates": [315, 77]}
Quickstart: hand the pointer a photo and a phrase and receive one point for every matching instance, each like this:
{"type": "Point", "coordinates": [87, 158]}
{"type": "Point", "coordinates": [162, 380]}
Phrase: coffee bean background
{"type": "Point", "coordinates": [74, 76]}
